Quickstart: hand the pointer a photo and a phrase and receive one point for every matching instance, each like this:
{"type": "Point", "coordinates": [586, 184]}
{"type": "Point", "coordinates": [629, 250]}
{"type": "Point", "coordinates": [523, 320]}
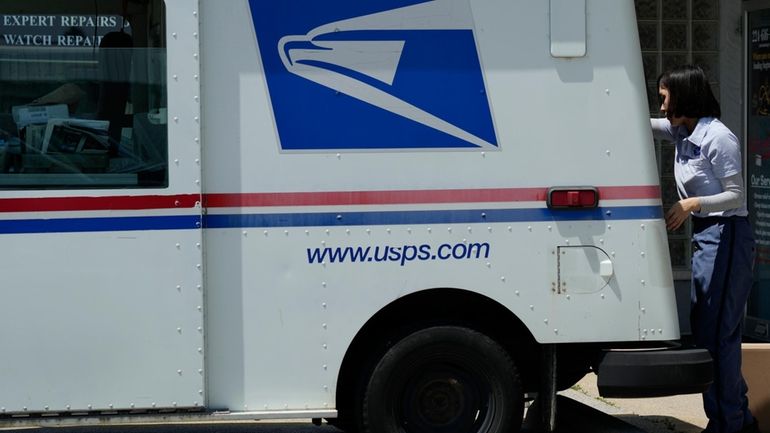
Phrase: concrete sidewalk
{"type": "Point", "coordinates": [678, 414]}
{"type": "Point", "coordinates": [573, 416]}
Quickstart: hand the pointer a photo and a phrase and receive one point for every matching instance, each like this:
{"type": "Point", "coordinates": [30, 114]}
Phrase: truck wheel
{"type": "Point", "coordinates": [444, 379]}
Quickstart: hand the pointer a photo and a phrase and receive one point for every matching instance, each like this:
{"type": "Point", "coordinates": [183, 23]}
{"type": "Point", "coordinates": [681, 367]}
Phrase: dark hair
{"type": "Point", "coordinates": [689, 93]}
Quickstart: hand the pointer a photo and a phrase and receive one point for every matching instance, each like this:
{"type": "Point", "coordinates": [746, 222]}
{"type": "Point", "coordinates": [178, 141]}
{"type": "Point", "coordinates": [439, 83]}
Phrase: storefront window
{"type": "Point", "coordinates": [83, 94]}
{"type": "Point", "coordinates": [758, 171]}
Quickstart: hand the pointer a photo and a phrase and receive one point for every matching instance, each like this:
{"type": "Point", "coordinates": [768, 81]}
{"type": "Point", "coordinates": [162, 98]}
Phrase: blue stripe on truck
{"type": "Point", "coordinates": [324, 219]}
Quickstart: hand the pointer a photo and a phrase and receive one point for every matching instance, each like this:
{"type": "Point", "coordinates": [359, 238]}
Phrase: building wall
{"type": "Point", "coordinates": [731, 64]}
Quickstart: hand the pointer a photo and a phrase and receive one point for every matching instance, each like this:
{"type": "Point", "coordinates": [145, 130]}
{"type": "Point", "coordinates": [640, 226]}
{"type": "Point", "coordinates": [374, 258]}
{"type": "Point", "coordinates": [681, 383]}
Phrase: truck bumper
{"type": "Point", "coordinates": [654, 373]}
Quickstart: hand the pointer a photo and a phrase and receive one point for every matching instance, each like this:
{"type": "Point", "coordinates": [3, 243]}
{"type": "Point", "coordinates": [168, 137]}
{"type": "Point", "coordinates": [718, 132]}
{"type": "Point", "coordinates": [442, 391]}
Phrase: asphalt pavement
{"type": "Point", "coordinates": [579, 410]}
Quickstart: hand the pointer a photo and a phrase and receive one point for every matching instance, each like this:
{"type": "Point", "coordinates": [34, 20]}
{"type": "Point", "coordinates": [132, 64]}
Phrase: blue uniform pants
{"type": "Point", "coordinates": [722, 274]}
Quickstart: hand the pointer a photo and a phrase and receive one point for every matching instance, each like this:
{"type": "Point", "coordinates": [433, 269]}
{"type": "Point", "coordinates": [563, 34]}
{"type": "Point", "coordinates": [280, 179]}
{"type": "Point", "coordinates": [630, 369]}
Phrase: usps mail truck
{"type": "Point", "coordinates": [396, 215]}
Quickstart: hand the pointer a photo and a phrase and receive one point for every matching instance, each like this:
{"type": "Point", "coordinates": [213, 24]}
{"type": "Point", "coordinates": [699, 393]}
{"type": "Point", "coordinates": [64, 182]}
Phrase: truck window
{"type": "Point", "coordinates": [83, 101]}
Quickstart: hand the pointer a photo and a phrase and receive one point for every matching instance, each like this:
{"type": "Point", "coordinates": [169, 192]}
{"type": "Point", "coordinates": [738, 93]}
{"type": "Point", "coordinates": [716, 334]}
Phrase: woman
{"type": "Point", "coordinates": [709, 180]}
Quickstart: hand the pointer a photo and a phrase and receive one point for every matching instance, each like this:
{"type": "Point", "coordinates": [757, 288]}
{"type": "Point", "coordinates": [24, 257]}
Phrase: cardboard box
{"type": "Point", "coordinates": [756, 371]}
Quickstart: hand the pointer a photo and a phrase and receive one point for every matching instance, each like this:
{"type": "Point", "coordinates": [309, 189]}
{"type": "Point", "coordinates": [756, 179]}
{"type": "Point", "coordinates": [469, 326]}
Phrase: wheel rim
{"type": "Point", "coordinates": [446, 398]}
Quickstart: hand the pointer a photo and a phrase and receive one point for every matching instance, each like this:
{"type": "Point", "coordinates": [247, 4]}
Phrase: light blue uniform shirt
{"type": "Point", "coordinates": [712, 152]}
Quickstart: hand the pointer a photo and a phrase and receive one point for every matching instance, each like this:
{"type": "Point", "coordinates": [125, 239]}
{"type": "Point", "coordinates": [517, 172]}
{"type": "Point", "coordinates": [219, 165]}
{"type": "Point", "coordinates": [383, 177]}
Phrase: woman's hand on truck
{"type": "Point", "coordinates": [678, 214]}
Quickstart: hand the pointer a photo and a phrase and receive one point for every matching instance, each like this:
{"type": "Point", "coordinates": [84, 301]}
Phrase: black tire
{"type": "Point", "coordinates": [444, 379]}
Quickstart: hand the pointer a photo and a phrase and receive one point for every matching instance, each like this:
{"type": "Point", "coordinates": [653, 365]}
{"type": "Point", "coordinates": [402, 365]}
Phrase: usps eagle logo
{"type": "Point", "coordinates": [353, 75]}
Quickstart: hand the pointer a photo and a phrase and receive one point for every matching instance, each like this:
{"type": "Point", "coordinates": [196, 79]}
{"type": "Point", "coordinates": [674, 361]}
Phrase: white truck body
{"type": "Point", "coordinates": [327, 160]}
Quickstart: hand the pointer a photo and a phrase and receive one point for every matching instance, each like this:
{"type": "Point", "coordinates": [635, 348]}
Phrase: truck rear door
{"type": "Point", "coordinates": [100, 216]}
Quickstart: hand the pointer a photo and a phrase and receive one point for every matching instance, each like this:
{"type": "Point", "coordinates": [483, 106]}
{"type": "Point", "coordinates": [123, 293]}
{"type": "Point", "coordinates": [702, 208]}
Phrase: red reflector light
{"type": "Point", "coordinates": [573, 198]}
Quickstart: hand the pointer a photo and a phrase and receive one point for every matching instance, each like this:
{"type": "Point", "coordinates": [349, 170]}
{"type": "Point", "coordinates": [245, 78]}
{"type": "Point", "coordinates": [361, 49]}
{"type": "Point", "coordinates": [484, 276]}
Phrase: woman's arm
{"type": "Point", "coordinates": [731, 196]}
{"type": "Point", "coordinates": [661, 129]}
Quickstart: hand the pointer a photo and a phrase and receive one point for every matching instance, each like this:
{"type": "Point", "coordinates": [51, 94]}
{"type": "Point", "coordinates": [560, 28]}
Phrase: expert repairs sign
{"type": "Point", "coordinates": [58, 30]}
